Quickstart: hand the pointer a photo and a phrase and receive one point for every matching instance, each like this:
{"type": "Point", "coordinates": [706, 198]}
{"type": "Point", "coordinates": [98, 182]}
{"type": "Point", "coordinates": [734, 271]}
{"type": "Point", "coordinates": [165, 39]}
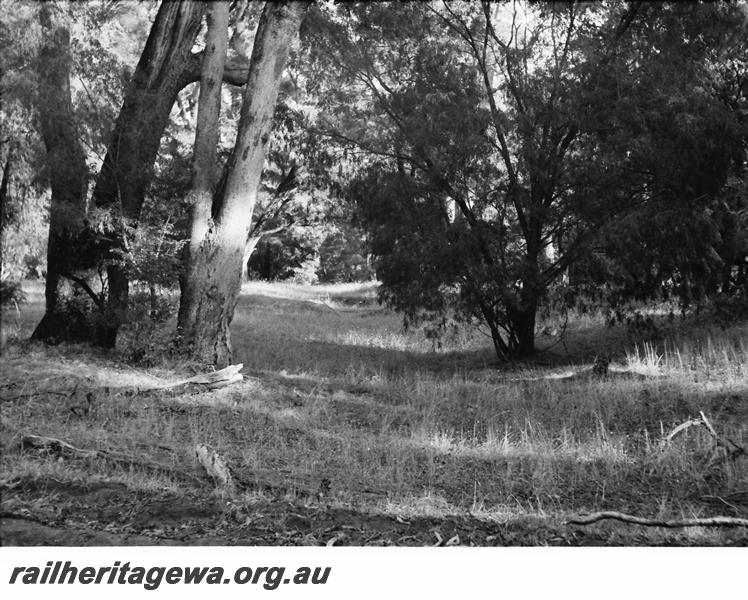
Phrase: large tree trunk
{"type": "Point", "coordinates": [163, 70]}
{"type": "Point", "coordinates": [219, 262]}
{"type": "Point", "coordinates": [204, 167]}
{"type": "Point", "coordinates": [65, 162]}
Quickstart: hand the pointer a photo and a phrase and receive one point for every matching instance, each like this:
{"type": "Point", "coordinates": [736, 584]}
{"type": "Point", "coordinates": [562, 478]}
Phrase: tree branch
{"type": "Point", "coordinates": [235, 72]}
{"type": "Point", "coordinates": [626, 20]}
{"type": "Point", "coordinates": [671, 524]}
{"type": "Point", "coordinates": [86, 288]}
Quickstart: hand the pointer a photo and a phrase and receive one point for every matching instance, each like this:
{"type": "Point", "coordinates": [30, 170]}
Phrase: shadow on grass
{"type": "Point", "coordinates": [279, 331]}
{"type": "Point", "coordinates": [299, 336]}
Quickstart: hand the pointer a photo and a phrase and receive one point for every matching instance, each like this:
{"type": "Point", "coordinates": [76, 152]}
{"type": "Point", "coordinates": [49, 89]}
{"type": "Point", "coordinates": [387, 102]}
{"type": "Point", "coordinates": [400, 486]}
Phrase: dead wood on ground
{"type": "Point", "coordinates": [730, 449]}
{"type": "Point", "coordinates": [669, 523]}
{"type": "Point", "coordinates": [211, 381]}
{"type": "Point", "coordinates": [57, 447]}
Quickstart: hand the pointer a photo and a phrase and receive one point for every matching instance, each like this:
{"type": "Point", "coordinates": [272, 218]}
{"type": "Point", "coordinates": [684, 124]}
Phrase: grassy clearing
{"type": "Point", "coordinates": [338, 391]}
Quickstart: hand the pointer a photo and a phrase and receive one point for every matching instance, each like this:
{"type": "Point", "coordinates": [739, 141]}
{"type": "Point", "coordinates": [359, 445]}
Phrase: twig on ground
{"type": "Point", "coordinates": [723, 501]}
{"type": "Point", "coordinates": [672, 524]}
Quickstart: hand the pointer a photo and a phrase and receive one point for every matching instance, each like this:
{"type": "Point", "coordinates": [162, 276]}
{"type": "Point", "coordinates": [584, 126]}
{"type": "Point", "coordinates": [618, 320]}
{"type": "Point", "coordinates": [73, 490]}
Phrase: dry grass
{"type": "Point", "coordinates": [339, 391]}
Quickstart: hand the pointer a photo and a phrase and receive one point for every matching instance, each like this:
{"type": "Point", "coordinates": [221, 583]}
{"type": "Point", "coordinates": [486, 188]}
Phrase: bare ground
{"type": "Point", "coordinates": [108, 515]}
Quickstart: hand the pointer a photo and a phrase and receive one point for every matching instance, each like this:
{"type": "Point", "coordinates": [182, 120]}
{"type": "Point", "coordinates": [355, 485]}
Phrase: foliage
{"type": "Point", "coordinates": [148, 336]}
{"type": "Point", "coordinates": [77, 318]}
{"type": "Point", "coordinates": [508, 150]}
{"type": "Point", "coordinates": [25, 202]}
{"type": "Point", "coordinates": [153, 255]}
{"type": "Point", "coordinates": [101, 67]}
{"type": "Point", "coordinates": [24, 243]}
{"type": "Point", "coordinates": [487, 160]}
{"type": "Point", "coordinates": [282, 255]}
{"type": "Point", "coordinates": [11, 294]}
{"type": "Point", "coordinates": [683, 135]}
{"type": "Point", "coordinates": [343, 256]}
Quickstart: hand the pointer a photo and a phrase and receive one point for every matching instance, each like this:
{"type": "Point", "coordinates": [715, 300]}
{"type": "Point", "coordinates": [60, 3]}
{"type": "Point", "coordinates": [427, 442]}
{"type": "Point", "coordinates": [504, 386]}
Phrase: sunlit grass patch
{"type": "Point", "coordinates": [428, 504]}
{"type": "Point", "coordinates": [709, 358]}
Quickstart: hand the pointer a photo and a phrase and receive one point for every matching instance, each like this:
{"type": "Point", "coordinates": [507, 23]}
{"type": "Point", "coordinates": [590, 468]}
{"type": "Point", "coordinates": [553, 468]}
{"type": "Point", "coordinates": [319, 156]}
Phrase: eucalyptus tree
{"type": "Point", "coordinates": [221, 224]}
{"type": "Point", "coordinates": [65, 159]}
{"type": "Point", "coordinates": [166, 65]}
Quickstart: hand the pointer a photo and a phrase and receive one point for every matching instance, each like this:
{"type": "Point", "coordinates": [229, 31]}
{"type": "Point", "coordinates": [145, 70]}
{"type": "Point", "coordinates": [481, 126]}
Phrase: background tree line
{"type": "Point", "coordinates": [485, 160]}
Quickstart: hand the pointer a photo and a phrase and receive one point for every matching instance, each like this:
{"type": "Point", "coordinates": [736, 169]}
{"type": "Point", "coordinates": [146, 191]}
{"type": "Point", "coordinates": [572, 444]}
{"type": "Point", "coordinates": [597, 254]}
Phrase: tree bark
{"type": "Point", "coordinates": [128, 164]}
{"type": "Point", "coordinates": [222, 250]}
{"type": "Point", "coordinates": [522, 321]}
{"type": "Point", "coordinates": [204, 167]}
{"type": "Point", "coordinates": [4, 187]}
{"type": "Point", "coordinates": [249, 248]}
{"type": "Point", "coordinates": [65, 162]}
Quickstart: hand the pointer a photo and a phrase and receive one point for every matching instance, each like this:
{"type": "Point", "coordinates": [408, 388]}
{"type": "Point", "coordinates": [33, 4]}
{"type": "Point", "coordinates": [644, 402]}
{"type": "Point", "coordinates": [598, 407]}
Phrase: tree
{"type": "Point", "coordinates": [215, 273]}
{"type": "Point", "coordinates": [684, 131]}
{"type": "Point", "coordinates": [488, 133]}
{"type": "Point", "coordinates": [204, 161]}
{"type": "Point", "coordinates": [164, 68]}
{"type": "Point", "coordinates": [65, 162]}
{"type": "Point", "coordinates": [24, 227]}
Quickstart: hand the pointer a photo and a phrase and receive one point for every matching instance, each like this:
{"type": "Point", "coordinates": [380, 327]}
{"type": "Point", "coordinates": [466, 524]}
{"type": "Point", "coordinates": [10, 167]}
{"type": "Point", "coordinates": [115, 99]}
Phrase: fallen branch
{"type": "Point", "coordinates": [682, 427]}
{"type": "Point", "coordinates": [56, 447]}
{"type": "Point", "coordinates": [732, 449]}
{"type": "Point", "coordinates": [216, 379]}
{"type": "Point", "coordinates": [671, 524]}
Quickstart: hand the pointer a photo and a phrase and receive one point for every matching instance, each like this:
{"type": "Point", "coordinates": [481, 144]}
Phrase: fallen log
{"type": "Point", "coordinates": [215, 379]}
{"type": "Point", "coordinates": [210, 381]}
{"type": "Point", "coordinates": [671, 524]}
